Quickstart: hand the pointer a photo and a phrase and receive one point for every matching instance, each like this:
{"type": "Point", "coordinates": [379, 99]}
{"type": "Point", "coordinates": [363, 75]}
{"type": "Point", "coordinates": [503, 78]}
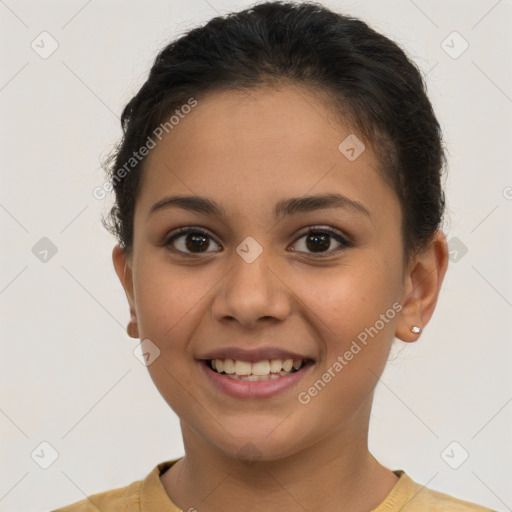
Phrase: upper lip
{"type": "Point", "coordinates": [252, 355]}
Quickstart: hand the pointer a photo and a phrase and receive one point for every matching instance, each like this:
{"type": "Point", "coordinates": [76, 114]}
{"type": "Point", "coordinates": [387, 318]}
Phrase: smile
{"type": "Point", "coordinates": [266, 369]}
{"type": "Point", "coordinates": [259, 379]}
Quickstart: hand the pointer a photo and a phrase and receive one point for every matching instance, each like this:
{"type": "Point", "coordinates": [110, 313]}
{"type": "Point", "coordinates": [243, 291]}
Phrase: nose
{"type": "Point", "coordinates": [251, 293]}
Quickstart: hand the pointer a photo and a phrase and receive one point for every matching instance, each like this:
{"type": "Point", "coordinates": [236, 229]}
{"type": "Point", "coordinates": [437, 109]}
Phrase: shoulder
{"type": "Point", "coordinates": [107, 501]}
{"type": "Point", "coordinates": [131, 498]}
{"type": "Point", "coordinates": [424, 499]}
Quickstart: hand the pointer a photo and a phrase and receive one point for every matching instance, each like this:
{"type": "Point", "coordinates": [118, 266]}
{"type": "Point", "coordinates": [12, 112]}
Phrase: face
{"type": "Point", "coordinates": [264, 277]}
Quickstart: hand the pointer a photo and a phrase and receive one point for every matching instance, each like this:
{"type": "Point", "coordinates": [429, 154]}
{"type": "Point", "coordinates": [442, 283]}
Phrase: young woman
{"type": "Point", "coordinates": [278, 212]}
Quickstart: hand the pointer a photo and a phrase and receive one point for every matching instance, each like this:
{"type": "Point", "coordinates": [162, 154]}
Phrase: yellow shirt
{"type": "Point", "coordinates": [149, 495]}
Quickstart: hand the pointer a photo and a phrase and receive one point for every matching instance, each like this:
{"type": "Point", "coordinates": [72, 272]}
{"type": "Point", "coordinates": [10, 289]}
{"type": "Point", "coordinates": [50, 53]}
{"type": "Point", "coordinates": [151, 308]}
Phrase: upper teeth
{"type": "Point", "coordinates": [264, 367]}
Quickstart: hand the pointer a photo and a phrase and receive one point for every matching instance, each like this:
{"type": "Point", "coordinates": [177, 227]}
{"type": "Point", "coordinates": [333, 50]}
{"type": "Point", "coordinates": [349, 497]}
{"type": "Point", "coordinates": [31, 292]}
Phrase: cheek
{"type": "Point", "coordinates": [167, 302]}
{"type": "Point", "coordinates": [356, 318]}
{"type": "Point", "coordinates": [353, 297]}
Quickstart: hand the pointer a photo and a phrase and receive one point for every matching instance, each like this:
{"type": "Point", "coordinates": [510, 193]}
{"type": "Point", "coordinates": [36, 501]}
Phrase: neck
{"type": "Point", "coordinates": [336, 473]}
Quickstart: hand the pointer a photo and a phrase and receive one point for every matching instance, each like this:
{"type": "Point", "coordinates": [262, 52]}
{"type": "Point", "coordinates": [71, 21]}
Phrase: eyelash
{"type": "Point", "coordinates": [345, 243]}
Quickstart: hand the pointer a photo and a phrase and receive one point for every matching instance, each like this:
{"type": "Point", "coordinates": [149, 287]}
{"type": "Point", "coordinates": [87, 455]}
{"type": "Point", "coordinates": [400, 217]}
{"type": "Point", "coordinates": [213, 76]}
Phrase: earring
{"type": "Point", "coordinates": [415, 329]}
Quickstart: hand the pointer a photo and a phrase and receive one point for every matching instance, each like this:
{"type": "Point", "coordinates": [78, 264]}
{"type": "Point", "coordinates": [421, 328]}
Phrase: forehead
{"type": "Point", "coordinates": [241, 122]}
{"type": "Point", "coordinates": [256, 147]}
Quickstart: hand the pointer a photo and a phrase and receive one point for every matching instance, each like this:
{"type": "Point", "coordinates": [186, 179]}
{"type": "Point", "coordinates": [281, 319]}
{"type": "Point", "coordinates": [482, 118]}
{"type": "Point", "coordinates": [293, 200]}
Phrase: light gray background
{"type": "Point", "coordinates": [68, 373]}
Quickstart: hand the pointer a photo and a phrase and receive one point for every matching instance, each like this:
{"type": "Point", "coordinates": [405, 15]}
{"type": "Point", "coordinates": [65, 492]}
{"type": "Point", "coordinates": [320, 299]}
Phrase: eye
{"type": "Point", "coordinates": [318, 239]}
{"type": "Point", "coordinates": [190, 239]}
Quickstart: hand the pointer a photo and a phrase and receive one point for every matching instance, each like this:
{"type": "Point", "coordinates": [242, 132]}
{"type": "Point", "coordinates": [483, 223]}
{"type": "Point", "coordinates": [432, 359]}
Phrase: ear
{"type": "Point", "coordinates": [123, 267]}
{"type": "Point", "coordinates": [423, 280]}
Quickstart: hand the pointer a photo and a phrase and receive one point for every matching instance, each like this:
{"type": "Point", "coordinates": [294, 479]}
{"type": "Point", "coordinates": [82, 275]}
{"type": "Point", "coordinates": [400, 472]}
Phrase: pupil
{"type": "Point", "coordinates": [317, 238]}
{"type": "Point", "coordinates": [195, 241]}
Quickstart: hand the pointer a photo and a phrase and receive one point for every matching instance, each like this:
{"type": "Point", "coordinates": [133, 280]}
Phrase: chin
{"type": "Point", "coordinates": [258, 443]}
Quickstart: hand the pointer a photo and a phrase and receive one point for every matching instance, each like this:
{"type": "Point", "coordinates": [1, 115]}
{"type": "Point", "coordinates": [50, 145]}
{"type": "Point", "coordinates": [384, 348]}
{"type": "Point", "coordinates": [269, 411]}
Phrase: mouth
{"type": "Point", "coordinates": [264, 370]}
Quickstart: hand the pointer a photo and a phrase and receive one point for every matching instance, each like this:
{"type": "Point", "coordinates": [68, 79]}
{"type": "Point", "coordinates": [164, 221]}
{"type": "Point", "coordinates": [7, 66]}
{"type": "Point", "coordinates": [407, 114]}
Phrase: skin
{"type": "Point", "coordinates": [239, 150]}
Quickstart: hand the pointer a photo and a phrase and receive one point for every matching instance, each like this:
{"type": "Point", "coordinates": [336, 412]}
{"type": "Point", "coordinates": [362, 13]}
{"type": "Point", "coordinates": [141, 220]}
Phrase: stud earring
{"type": "Point", "coordinates": [415, 329]}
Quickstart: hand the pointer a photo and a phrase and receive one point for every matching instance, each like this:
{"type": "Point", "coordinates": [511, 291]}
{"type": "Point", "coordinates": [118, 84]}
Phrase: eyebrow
{"type": "Point", "coordinates": [291, 206]}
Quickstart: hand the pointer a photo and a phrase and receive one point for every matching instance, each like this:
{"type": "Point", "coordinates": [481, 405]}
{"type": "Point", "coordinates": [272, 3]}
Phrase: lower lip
{"type": "Point", "coordinates": [253, 389]}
